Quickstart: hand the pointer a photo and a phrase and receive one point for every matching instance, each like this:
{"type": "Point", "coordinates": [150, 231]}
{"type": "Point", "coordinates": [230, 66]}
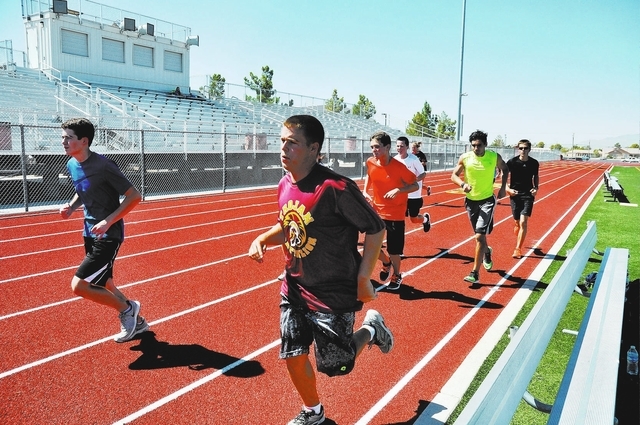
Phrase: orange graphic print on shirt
{"type": "Point", "coordinates": [295, 220]}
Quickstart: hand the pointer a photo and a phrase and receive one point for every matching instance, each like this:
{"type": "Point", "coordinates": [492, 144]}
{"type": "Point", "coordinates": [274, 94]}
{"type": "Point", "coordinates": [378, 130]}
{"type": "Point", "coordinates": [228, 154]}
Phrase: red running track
{"type": "Point", "coordinates": [212, 353]}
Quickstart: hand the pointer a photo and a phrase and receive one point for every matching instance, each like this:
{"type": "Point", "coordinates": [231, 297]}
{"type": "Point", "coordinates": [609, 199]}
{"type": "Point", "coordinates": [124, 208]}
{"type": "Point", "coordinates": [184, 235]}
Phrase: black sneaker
{"type": "Point", "coordinates": [473, 277]}
{"type": "Point", "coordinates": [394, 283]}
{"type": "Point", "coordinates": [308, 417]}
{"type": "Point", "coordinates": [426, 223]}
{"type": "Point", "coordinates": [383, 337]}
{"type": "Point", "coordinates": [428, 190]}
{"type": "Point", "coordinates": [384, 273]}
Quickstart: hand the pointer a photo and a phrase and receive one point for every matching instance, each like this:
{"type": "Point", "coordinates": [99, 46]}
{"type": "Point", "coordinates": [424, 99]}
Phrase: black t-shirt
{"type": "Point", "coordinates": [521, 173]}
{"type": "Point", "coordinates": [322, 217]}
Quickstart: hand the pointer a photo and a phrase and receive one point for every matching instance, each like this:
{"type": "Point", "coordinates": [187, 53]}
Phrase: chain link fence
{"type": "Point", "coordinates": [33, 172]}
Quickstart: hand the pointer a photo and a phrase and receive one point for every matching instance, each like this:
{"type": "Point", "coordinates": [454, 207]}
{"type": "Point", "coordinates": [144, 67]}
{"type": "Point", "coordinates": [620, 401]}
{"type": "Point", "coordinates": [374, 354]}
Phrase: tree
{"type": "Point", "coordinates": [423, 123]}
{"type": "Point", "coordinates": [364, 107]}
{"type": "Point", "coordinates": [445, 127]}
{"type": "Point", "coordinates": [556, 147]}
{"type": "Point", "coordinates": [498, 142]}
{"type": "Point", "coordinates": [540, 145]}
{"type": "Point", "coordinates": [634, 146]}
{"type": "Point", "coordinates": [215, 89]}
{"type": "Point", "coordinates": [263, 86]}
{"type": "Point", "coordinates": [335, 103]}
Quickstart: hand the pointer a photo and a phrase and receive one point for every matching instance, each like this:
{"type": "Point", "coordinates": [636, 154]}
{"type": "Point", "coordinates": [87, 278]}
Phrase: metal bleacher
{"type": "Point", "coordinates": [171, 122]}
{"type": "Point", "coordinates": [26, 91]}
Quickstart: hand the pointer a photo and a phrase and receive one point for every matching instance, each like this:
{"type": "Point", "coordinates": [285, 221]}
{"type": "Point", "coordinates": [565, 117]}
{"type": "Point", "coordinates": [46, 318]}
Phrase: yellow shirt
{"type": "Point", "coordinates": [479, 173]}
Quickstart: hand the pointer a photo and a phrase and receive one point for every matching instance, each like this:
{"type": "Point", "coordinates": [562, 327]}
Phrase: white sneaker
{"type": "Point", "coordinates": [383, 337]}
{"type": "Point", "coordinates": [128, 323]}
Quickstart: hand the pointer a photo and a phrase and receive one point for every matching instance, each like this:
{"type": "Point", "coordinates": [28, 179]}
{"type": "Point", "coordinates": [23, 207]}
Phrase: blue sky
{"type": "Point", "coordinates": [545, 70]}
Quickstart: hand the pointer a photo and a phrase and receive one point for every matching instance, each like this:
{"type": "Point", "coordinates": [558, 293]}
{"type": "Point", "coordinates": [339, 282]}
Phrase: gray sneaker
{"type": "Point", "coordinates": [128, 323]}
{"type": "Point", "coordinates": [308, 417]}
{"type": "Point", "coordinates": [383, 337]}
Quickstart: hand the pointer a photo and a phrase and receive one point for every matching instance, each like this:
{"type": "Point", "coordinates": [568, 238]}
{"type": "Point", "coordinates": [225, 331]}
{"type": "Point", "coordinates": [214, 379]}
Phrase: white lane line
{"type": "Point", "coordinates": [110, 338]}
{"type": "Point", "coordinates": [194, 385]}
{"type": "Point", "coordinates": [393, 392]}
{"type": "Point", "coordinates": [136, 254]}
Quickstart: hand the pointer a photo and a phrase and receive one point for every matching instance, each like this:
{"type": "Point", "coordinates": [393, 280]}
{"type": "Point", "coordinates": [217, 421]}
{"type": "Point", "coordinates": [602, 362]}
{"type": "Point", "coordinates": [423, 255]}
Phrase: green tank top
{"type": "Point", "coordinates": [479, 173]}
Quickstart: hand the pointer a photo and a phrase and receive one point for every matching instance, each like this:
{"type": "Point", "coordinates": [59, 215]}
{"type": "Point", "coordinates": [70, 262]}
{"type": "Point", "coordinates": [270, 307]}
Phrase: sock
{"type": "Point", "coordinates": [316, 409]}
{"type": "Point", "coordinates": [371, 330]}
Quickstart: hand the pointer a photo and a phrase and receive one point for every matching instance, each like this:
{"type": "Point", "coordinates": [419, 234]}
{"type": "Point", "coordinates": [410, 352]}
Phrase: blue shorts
{"type": "Point", "coordinates": [332, 333]}
{"type": "Point", "coordinates": [97, 266]}
{"type": "Point", "coordinates": [481, 214]}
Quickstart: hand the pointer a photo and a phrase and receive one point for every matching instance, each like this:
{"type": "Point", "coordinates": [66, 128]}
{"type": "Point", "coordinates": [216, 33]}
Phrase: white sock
{"type": "Point", "coordinates": [316, 409]}
{"type": "Point", "coordinates": [371, 330]}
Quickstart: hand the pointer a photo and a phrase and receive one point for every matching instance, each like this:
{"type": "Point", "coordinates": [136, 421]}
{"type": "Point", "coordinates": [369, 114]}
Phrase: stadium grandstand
{"type": "Point", "coordinates": [129, 74]}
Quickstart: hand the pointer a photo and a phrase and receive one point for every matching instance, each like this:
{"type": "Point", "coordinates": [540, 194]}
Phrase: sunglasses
{"type": "Point", "coordinates": [522, 148]}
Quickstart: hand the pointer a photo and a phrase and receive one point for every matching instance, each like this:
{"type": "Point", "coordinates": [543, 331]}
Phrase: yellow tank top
{"type": "Point", "coordinates": [479, 173]}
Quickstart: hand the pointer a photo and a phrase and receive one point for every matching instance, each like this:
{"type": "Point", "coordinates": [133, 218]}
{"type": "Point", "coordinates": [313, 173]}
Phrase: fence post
{"type": "Point", "coordinates": [224, 158]}
{"type": "Point", "coordinates": [23, 169]}
{"type": "Point", "coordinates": [143, 167]}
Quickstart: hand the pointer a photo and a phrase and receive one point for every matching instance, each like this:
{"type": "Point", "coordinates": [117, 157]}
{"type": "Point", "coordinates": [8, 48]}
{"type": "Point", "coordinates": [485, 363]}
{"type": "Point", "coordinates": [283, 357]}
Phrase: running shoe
{"type": "Point", "coordinates": [383, 337]}
{"type": "Point", "coordinates": [384, 273]}
{"type": "Point", "coordinates": [428, 190]}
{"type": "Point", "coordinates": [128, 322]}
{"type": "Point", "coordinates": [395, 282]}
{"type": "Point", "coordinates": [141, 326]}
{"type": "Point", "coordinates": [517, 253]}
{"type": "Point", "coordinates": [426, 223]}
{"type": "Point", "coordinates": [487, 262]}
{"type": "Point", "coordinates": [473, 277]}
{"type": "Point", "coordinates": [308, 417]}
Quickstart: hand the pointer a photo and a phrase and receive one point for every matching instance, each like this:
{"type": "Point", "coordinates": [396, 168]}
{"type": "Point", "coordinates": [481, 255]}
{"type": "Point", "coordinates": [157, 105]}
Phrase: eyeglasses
{"type": "Point", "coordinates": [523, 148]}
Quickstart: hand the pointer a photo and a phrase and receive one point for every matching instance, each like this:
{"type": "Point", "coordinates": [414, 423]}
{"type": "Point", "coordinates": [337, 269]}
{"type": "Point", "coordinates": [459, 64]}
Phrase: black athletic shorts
{"type": "Point", "coordinates": [395, 237]}
{"type": "Point", "coordinates": [521, 204]}
{"type": "Point", "coordinates": [335, 350]}
{"type": "Point", "coordinates": [413, 207]}
{"type": "Point", "coordinates": [97, 266]}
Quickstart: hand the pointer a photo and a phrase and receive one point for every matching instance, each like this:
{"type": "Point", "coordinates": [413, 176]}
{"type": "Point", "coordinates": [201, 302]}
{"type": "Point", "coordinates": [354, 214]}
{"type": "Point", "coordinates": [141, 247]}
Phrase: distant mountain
{"type": "Point", "coordinates": [609, 142]}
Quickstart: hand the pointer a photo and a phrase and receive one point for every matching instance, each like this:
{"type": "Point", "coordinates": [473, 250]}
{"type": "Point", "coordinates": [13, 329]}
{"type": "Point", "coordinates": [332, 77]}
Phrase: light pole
{"type": "Point", "coordinates": [460, 94]}
{"type": "Point", "coordinates": [385, 119]}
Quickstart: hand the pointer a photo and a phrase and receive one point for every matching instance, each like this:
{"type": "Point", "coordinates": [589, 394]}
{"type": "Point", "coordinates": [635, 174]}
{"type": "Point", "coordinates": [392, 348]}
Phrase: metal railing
{"type": "Point", "coordinates": [33, 171]}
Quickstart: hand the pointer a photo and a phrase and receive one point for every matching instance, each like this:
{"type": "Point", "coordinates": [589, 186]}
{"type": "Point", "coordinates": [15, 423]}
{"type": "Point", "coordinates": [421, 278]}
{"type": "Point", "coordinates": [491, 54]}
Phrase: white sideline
{"type": "Point", "coordinates": [378, 405]}
{"type": "Point", "coordinates": [443, 404]}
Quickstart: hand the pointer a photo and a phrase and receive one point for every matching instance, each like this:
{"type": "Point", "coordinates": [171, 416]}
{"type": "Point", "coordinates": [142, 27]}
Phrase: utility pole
{"type": "Point", "coordinates": [460, 94]}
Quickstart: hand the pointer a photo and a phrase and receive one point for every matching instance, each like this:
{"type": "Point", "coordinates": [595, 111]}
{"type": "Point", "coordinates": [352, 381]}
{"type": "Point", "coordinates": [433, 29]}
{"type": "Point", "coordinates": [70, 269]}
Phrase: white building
{"type": "Point", "coordinates": [96, 43]}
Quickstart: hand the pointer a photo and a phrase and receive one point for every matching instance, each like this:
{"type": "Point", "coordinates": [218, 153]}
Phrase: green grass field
{"type": "Point", "coordinates": [617, 226]}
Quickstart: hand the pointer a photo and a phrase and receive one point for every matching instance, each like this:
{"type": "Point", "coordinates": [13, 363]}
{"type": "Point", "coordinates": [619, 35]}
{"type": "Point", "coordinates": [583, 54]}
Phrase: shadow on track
{"type": "Point", "coordinates": [409, 293]}
{"type": "Point", "coordinates": [422, 404]}
{"type": "Point", "coordinates": [161, 355]}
